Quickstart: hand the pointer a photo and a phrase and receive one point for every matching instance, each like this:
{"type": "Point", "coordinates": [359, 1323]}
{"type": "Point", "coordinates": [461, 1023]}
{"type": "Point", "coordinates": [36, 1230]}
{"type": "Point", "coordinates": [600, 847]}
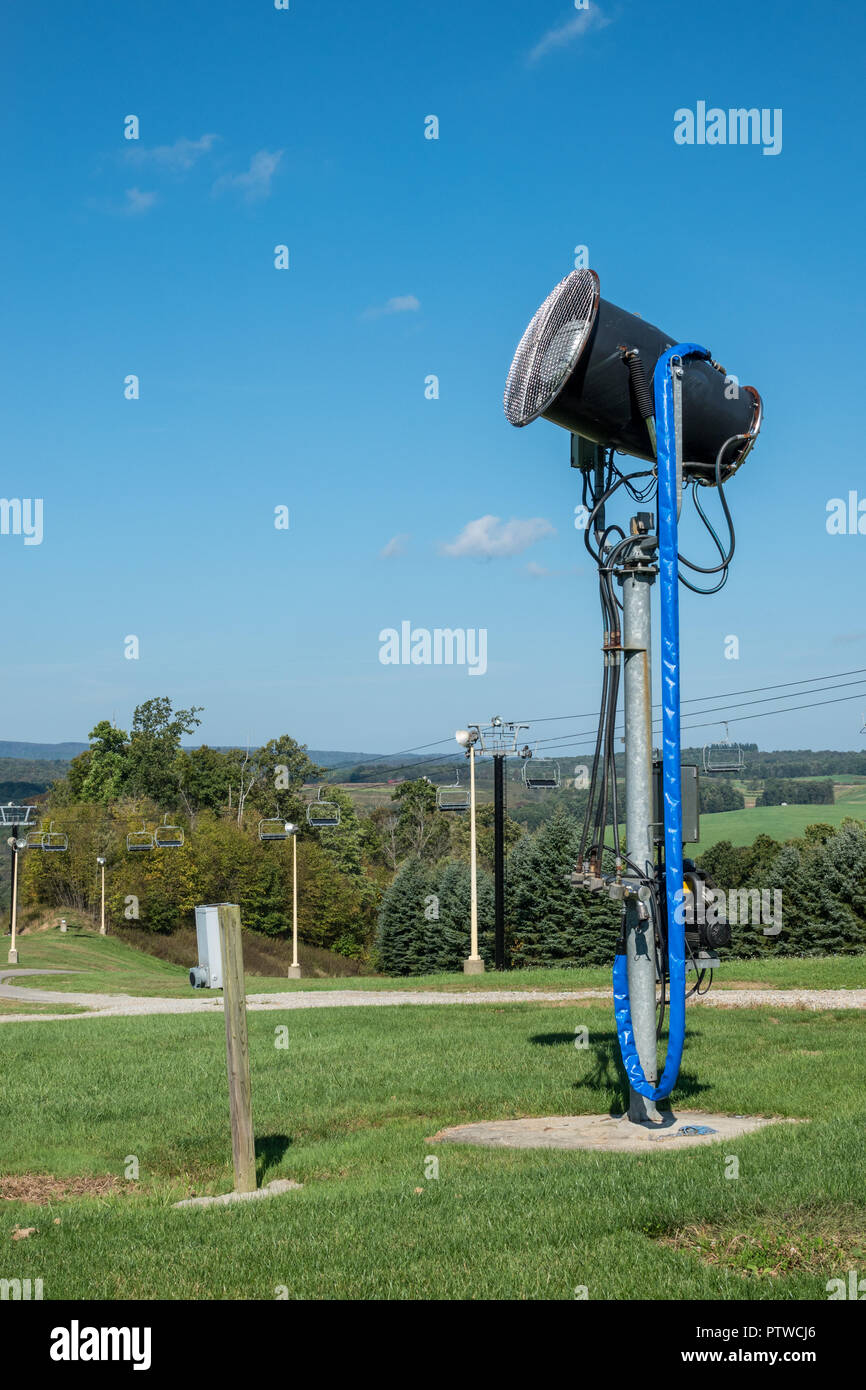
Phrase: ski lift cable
{"type": "Point", "coordinates": [592, 714]}
{"type": "Point", "coordinates": [696, 699]}
{"type": "Point", "coordinates": [577, 741]}
{"type": "Point", "coordinates": [720, 709]}
{"type": "Point", "coordinates": [736, 719]}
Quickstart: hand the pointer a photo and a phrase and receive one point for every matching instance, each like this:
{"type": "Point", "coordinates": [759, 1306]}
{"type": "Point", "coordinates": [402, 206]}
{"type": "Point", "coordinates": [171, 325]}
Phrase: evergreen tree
{"type": "Point", "coordinates": [447, 919]}
{"type": "Point", "coordinates": [400, 937]}
{"type": "Point", "coordinates": [553, 922]}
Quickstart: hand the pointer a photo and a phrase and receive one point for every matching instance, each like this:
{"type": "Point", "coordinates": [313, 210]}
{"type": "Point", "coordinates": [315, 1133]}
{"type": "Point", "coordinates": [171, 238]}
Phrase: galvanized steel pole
{"type": "Point", "coordinates": [639, 935]}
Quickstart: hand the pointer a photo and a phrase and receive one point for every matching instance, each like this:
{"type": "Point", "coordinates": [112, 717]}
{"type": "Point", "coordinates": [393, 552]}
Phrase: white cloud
{"type": "Point", "coordinates": [491, 537]}
{"type": "Point", "coordinates": [564, 34]}
{"type": "Point", "coordinates": [400, 304]}
{"type": "Point", "coordinates": [183, 154]}
{"type": "Point", "coordinates": [138, 202]}
{"type": "Point", "coordinates": [255, 182]}
{"type": "Point", "coordinates": [395, 546]}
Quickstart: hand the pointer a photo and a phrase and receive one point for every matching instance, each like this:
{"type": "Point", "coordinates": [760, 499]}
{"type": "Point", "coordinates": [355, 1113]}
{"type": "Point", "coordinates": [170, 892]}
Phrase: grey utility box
{"type": "Point", "coordinates": [691, 817]}
{"type": "Point", "coordinates": [208, 974]}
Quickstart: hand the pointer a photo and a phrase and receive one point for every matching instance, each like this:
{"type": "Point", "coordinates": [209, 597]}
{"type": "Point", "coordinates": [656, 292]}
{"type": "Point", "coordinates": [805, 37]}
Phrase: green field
{"type": "Point", "coordinates": [109, 966]}
{"type": "Point", "coordinates": [781, 822]}
{"type": "Point", "coordinates": [348, 1109]}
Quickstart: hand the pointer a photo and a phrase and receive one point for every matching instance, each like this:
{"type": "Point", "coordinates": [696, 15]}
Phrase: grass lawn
{"type": "Point", "coordinates": [781, 822]}
{"type": "Point", "coordinates": [110, 966]}
{"type": "Point", "coordinates": [348, 1107]}
{"type": "Point", "coordinates": [23, 1006]}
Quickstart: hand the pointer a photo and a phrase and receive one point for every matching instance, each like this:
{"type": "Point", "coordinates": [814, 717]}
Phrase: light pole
{"type": "Point", "coordinates": [474, 965]}
{"type": "Point", "coordinates": [498, 739]}
{"type": "Point", "coordinates": [275, 829]}
{"type": "Point", "coordinates": [101, 862]}
{"type": "Point", "coordinates": [14, 816]}
{"type": "Point", "coordinates": [295, 967]}
{"type": "Point", "coordinates": [16, 846]}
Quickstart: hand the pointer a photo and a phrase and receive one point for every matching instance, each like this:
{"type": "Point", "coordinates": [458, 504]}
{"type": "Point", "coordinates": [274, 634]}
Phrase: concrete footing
{"type": "Point", "coordinates": [273, 1189]}
{"type": "Point", "coordinates": [608, 1133]}
{"type": "Point", "coordinates": [473, 967]}
{"type": "Point", "coordinates": [294, 972]}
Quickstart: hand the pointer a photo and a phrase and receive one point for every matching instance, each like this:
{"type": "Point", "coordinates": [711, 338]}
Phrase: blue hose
{"type": "Point", "coordinates": [671, 773]}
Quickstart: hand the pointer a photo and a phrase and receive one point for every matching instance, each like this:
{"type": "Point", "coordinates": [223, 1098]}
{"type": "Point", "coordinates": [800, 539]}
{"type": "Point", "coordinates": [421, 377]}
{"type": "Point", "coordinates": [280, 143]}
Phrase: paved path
{"type": "Point", "coordinates": [128, 1005]}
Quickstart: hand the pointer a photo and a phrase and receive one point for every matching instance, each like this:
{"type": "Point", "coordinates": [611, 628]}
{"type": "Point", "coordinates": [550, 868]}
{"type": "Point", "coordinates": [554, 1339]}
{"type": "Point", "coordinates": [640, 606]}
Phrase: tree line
{"type": "Point", "coordinates": [389, 887]}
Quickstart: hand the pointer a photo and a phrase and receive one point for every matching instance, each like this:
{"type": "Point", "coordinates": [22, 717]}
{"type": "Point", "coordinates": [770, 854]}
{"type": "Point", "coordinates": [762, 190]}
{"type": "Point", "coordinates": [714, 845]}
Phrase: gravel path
{"type": "Point", "coordinates": [129, 1006]}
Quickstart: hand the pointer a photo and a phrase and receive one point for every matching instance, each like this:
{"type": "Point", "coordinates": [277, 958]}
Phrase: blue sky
{"type": "Point", "coordinates": [408, 257]}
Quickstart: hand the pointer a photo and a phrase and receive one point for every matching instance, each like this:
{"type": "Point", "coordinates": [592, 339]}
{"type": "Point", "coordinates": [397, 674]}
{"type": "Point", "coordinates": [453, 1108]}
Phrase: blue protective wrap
{"type": "Point", "coordinates": [671, 774]}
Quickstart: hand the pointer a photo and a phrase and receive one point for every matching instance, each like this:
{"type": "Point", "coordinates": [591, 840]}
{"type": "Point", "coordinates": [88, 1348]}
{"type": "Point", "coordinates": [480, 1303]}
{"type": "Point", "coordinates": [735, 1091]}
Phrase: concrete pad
{"type": "Point", "coordinates": [473, 967]}
{"type": "Point", "coordinates": [607, 1133]}
{"type": "Point", "coordinates": [272, 1189]}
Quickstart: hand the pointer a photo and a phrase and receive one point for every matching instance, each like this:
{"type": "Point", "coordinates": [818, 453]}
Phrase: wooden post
{"type": "Point", "coordinates": [237, 1048]}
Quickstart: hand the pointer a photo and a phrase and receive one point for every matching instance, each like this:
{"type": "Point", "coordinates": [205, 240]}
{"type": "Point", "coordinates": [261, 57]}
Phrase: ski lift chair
{"type": "Point", "coordinates": [541, 776]}
{"type": "Point", "coordinates": [323, 815]}
{"type": "Point", "coordinates": [53, 839]}
{"type": "Point", "coordinates": [167, 836]}
{"type": "Point", "coordinates": [139, 839]}
{"type": "Point", "coordinates": [454, 798]}
{"type": "Point", "coordinates": [273, 830]}
{"type": "Point", "coordinates": [724, 756]}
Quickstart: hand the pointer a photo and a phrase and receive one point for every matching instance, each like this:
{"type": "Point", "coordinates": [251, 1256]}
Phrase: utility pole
{"type": "Point", "coordinates": [499, 858]}
{"type": "Point", "coordinates": [499, 738]}
{"type": "Point", "coordinates": [637, 578]}
{"type": "Point", "coordinates": [473, 965]}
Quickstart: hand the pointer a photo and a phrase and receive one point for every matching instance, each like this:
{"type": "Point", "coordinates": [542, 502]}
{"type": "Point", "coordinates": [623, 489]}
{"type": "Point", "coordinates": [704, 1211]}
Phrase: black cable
{"type": "Point", "coordinates": [726, 558]}
{"type": "Point", "coordinates": [695, 699]}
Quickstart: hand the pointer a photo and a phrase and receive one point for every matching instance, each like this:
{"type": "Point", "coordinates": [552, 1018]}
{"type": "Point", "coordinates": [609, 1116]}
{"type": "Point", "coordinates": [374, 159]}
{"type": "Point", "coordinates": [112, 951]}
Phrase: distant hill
{"type": "Point", "coordinates": [34, 773]}
{"type": "Point", "coordinates": [16, 759]}
{"type": "Point", "coordinates": [42, 752]}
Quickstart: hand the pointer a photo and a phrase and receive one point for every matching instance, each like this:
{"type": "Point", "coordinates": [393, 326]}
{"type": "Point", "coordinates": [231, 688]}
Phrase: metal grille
{"type": "Point", "coordinates": [550, 347]}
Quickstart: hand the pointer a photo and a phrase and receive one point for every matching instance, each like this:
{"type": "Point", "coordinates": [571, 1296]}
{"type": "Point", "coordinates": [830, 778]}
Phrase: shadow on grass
{"type": "Point", "coordinates": [607, 1073]}
{"type": "Point", "coordinates": [270, 1149]}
